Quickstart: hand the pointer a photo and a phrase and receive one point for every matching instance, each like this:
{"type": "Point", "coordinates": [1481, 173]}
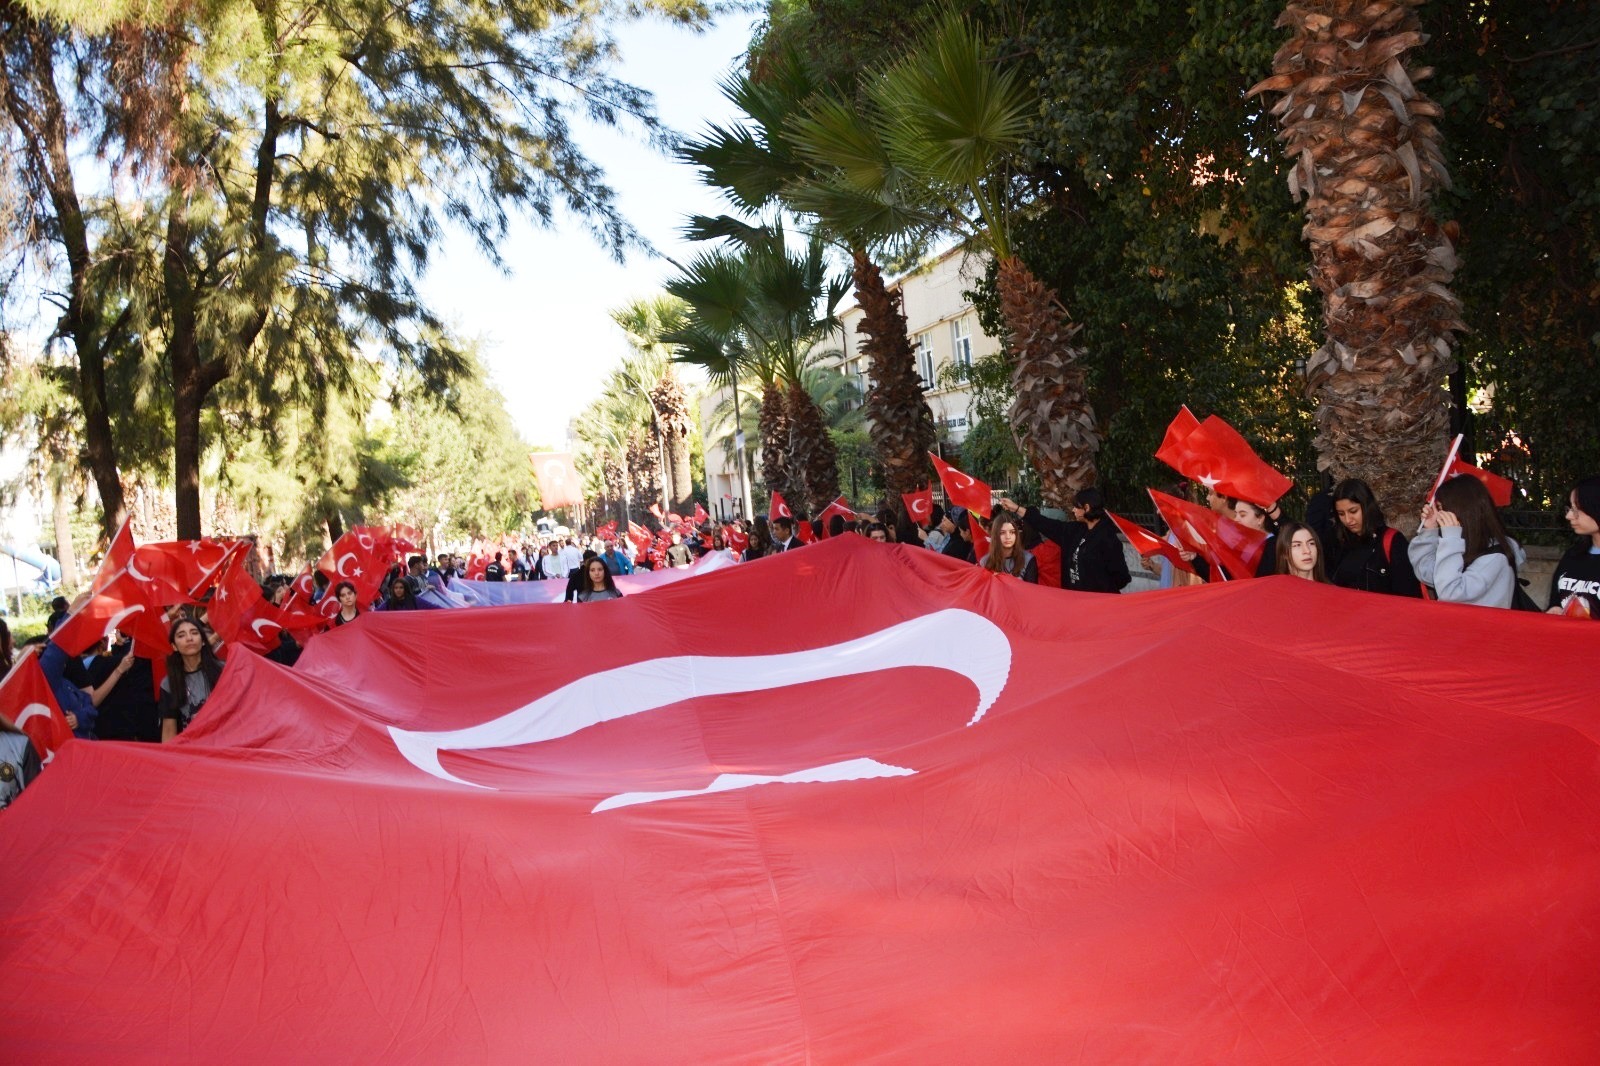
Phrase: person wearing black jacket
{"type": "Point", "coordinates": [1366, 554]}
{"type": "Point", "coordinates": [1577, 576]}
{"type": "Point", "coordinates": [1091, 551]}
{"type": "Point", "coordinates": [958, 544]}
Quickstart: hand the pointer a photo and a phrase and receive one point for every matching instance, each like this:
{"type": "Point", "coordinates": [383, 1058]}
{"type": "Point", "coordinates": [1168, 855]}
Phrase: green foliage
{"type": "Point", "coordinates": [296, 165]}
{"type": "Point", "coordinates": [464, 466]}
{"type": "Point", "coordinates": [1520, 88]}
{"type": "Point", "coordinates": [989, 450]}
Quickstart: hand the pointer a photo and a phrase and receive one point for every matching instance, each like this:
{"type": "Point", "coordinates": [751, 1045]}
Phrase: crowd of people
{"type": "Point", "coordinates": [1461, 553]}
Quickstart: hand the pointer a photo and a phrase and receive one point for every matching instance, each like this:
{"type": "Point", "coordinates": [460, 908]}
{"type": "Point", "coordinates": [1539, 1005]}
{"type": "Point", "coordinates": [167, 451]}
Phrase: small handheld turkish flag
{"type": "Point", "coordinates": [700, 516]}
{"type": "Point", "coordinates": [980, 537]}
{"type": "Point", "coordinates": [736, 540]}
{"type": "Point", "coordinates": [1147, 543]}
{"type": "Point", "coordinates": [1214, 454]}
{"type": "Point", "coordinates": [919, 504]}
{"type": "Point", "coordinates": [116, 557]}
{"type": "Point", "coordinates": [26, 700]}
{"type": "Point", "coordinates": [963, 489]}
{"type": "Point", "coordinates": [1500, 489]}
{"type": "Point", "coordinates": [837, 507]}
{"type": "Point", "coordinates": [1231, 549]}
{"type": "Point", "coordinates": [778, 508]}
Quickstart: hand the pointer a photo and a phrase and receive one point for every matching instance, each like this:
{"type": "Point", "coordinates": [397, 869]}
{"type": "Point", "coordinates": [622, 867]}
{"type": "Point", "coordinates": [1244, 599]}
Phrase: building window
{"type": "Point", "coordinates": [961, 341]}
{"type": "Point", "coordinates": [924, 360]}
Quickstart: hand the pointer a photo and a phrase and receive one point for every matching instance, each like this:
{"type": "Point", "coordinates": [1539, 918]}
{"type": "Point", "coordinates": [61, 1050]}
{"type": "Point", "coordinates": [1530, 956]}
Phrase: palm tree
{"type": "Point", "coordinates": [943, 127]}
{"type": "Point", "coordinates": [756, 307]}
{"type": "Point", "coordinates": [645, 322]}
{"type": "Point", "coordinates": [757, 165]}
{"type": "Point", "coordinates": [1366, 158]}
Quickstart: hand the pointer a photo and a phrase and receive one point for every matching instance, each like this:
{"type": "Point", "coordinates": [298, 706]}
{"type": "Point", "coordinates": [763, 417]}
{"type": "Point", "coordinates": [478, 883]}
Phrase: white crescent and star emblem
{"type": "Point", "coordinates": [919, 506]}
{"type": "Point", "coordinates": [259, 622]}
{"type": "Point", "coordinates": [955, 640]}
{"type": "Point", "coordinates": [338, 565]}
{"type": "Point", "coordinates": [133, 571]}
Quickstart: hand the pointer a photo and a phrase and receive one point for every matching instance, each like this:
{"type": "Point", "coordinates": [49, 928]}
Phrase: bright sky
{"type": "Point", "coordinates": [545, 329]}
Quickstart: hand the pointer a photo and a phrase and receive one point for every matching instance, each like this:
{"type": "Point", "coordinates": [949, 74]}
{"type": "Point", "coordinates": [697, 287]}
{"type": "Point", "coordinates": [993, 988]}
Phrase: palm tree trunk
{"type": "Point", "coordinates": [1367, 157]}
{"type": "Point", "coordinates": [1051, 416]}
{"type": "Point", "coordinates": [775, 442]}
{"type": "Point", "coordinates": [811, 449]}
{"type": "Point", "coordinates": [898, 418]}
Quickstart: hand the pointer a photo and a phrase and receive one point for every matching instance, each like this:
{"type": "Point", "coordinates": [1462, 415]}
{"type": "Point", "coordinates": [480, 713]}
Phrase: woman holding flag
{"type": "Point", "coordinates": [1462, 550]}
{"type": "Point", "coordinates": [1091, 552]}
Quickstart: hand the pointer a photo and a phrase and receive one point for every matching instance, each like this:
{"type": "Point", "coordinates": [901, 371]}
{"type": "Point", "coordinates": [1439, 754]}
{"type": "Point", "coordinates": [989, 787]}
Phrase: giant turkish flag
{"type": "Point", "coordinates": [899, 809]}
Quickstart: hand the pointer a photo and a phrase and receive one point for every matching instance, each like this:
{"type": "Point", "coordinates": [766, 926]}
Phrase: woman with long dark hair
{"type": "Point", "coordinates": [192, 672]}
{"type": "Point", "coordinates": [349, 609]}
{"type": "Point", "coordinates": [1299, 553]}
{"type": "Point", "coordinates": [400, 596]}
{"type": "Point", "coordinates": [8, 651]}
{"type": "Point", "coordinates": [1006, 553]}
{"type": "Point", "coordinates": [1575, 588]}
{"type": "Point", "coordinates": [1462, 550]}
{"type": "Point", "coordinates": [597, 583]}
{"type": "Point", "coordinates": [1366, 554]}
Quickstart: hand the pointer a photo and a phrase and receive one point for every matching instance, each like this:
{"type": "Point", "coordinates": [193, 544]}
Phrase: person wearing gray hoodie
{"type": "Point", "coordinates": [1463, 551]}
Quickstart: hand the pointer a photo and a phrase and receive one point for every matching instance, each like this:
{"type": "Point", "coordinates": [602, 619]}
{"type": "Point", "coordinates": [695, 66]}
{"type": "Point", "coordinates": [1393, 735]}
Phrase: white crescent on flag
{"type": "Point", "coordinates": [920, 506]}
{"type": "Point", "coordinates": [134, 572]}
{"type": "Point", "coordinates": [956, 640]}
{"type": "Point", "coordinates": [116, 620]}
{"type": "Point", "coordinates": [338, 565]}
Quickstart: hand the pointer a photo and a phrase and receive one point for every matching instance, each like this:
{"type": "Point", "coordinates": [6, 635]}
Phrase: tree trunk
{"type": "Point", "coordinates": [1051, 416]}
{"type": "Point", "coordinates": [186, 403]}
{"type": "Point", "coordinates": [775, 437]}
{"type": "Point", "coordinates": [811, 449]}
{"type": "Point", "coordinates": [34, 105]}
{"type": "Point", "coordinates": [61, 514]}
{"type": "Point", "coordinates": [1367, 157]}
{"type": "Point", "coordinates": [335, 524]}
{"type": "Point", "coordinates": [898, 418]}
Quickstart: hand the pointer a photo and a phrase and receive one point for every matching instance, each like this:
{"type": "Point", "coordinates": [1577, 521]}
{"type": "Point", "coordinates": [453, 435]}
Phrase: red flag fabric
{"type": "Point", "coordinates": [919, 505]}
{"type": "Point", "coordinates": [1575, 607]}
{"type": "Point", "coordinates": [1214, 454]}
{"type": "Point", "coordinates": [736, 540]}
{"type": "Point", "coordinates": [1147, 543]}
{"type": "Point", "coordinates": [477, 565]}
{"type": "Point", "coordinates": [1047, 553]}
{"type": "Point", "coordinates": [1231, 549]}
{"type": "Point", "coordinates": [177, 571]}
{"type": "Point", "coordinates": [778, 508]}
{"type": "Point", "coordinates": [1174, 450]}
{"type": "Point", "coordinates": [361, 557]}
{"type": "Point", "coordinates": [1042, 841]}
{"type": "Point", "coordinates": [962, 489]}
{"type": "Point", "coordinates": [803, 532]}
{"type": "Point", "coordinates": [559, 484]}
{"type": "Point", "coordinates": [639, 535]}
{"type": "Point", "coordinates": [123, 605]}
{"type": "Point", "coordinates": [1500, 489]}
{"type": "Point", "coordinates": [840, 507]}
{"type": "Point", "coordinates": [27, 703]}
{"type": "Point", "coordinates": [116, 558]}
{"type": "Point", "coordinates": [240, 614]}
{"type": "Point", "coordinates": [980, 537]}
{"type": "Point", "coordinates": [406, 539]}
{"type": "Point", "coordinates": [700, 516]}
